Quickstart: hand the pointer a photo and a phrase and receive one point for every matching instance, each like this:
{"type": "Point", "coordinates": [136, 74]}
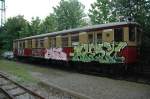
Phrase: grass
{"type": "Point", "coordinates": [19, 70]}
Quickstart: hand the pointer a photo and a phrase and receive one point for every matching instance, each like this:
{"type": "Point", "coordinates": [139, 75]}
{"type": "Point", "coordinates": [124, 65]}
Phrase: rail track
{"type": "Point", "coordinates": [9, 89]}
{"type": "Point", "coordinates": [12, 90]}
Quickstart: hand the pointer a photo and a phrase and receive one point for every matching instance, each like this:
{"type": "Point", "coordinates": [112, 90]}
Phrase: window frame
{"type": "Point", "coordinates": [29, 43]}
{"type": "Point", "coordinates": [74, 39]}
{"type": "Point", "coordinates": [118, 34]}
{"type": "Point", "coordinates": [97, 33]}
{"type": "Point", "coordinates": [38, 43]}
{"type": "Point", "coordinates": [23, 44]}
{"type": "Point", "coordinates": [65, 40]}
{"type": "Point", "coordinates": [53, 42]}
{"type": "Point", "coordinates": [90, 41]}
{"type": "Point", "coordinates": [133, 37]}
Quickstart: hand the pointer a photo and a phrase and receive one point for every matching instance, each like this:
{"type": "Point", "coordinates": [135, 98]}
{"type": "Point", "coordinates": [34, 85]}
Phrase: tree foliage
{"type": "Point", "coordinates": [13, 29]}
{"type": "Point", "coordinates": [104, 11]}
{"type": "Point", "coordinates": [101, 12]}
{"type": "Point", "coordinates": [69, 14]}
{"type": "Point", "coordinates": [49, 24]}
{"type": "Point", "coordinates": [14, 26]}
{"type": "Point", "coordinates": [35, 26]}
{"type": "Point", "coordinates": [139, 10]}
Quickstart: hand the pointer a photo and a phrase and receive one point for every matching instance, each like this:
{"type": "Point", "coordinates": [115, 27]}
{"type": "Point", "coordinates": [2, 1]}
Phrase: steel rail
{"type": "Point", "coordinates": [7, 94]}
{"type": "Point", "coordinates": [22, 87]}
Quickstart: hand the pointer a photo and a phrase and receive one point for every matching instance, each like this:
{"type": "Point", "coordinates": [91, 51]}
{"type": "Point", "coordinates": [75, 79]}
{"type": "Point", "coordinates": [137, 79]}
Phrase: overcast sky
{"type": "Point", "coordinates": [33, 8]}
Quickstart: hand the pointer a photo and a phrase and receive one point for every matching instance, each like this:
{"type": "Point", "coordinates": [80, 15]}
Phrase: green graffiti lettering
{"type": "Point", "coordinates": [103, 53]}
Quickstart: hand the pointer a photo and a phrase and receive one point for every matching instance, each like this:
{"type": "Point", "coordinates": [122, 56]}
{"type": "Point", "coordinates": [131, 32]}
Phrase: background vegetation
{"type": "Point", "coordinates": [20, 71]}
{"type": "Point", "coordinates": [70, 14]}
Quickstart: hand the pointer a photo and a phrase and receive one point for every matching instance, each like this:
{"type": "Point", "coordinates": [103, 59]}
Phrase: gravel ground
{"type": "Point", "coordinates": [94, 87]}
{"type": "Point", "coordinates": [91, 86]}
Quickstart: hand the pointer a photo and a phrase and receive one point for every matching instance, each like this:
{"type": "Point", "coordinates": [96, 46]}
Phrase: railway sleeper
{"type": "Point", "coordinates": [7, 94]}
{"type": "Point", "coordinates": [19, 94]}
{"type": "Point", "coordinates": [11, 88]}
{"type": "Point", "coordinates": [5, 84]}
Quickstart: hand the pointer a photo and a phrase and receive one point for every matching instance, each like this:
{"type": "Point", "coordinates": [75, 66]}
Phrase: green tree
{"type": "Point", "coordinates": [139, 10]}
{"type": "Point", "coordinates": [49, 24]}
{"type": "Point", "coordinates": [101, 12]}
{"type": "Point", "coordinates": [26, 30]}
{"type": "Point", "coordinates": [14, 26]}
{"type": "Point", "coordinates": [12, 29]}
{"type": "Point", "coordinates": [69, 14]}
{"type": "Point", "coordinates": [35, 26]}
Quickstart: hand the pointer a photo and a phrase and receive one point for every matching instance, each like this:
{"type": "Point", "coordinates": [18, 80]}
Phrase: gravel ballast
{"type": "Point", "coordinates": [94, 87]}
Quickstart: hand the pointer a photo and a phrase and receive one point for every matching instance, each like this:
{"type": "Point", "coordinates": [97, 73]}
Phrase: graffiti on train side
{"type": "Point", "coordinates": [39, 52]}
{"type": "Point", "coordinates": [56, 54]}
{"type": "Point", "coordinates": [103, 53]}
{"type": "Point", "coordinates": [20, 52]}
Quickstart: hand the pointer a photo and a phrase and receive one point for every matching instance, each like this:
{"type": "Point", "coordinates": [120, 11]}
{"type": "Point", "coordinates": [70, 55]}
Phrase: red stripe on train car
{"type": "Point", "coordinates": [130, 53]}
{"type": "Point", "coordinates": [68, 50]}
{"type": "Point", "coordinates": [27, 52]}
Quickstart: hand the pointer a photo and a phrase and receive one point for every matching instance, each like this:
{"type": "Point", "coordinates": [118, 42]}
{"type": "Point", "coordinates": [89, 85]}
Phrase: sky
{"type": "Point", "coordinates": [33, 8]}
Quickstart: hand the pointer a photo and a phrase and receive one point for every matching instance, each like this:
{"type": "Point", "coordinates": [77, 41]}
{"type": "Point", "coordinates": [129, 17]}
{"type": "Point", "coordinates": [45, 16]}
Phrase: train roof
{"type": "Point", "coordinates": [86, 28]}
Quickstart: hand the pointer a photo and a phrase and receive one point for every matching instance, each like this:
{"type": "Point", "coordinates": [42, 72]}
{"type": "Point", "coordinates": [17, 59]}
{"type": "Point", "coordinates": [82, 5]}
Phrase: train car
{"type": "Point", "coordinates": [112, 43]}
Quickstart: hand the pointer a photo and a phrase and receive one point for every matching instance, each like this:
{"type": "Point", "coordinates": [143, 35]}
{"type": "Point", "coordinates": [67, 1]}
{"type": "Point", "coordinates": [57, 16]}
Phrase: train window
{"type": "Point", "coordinates": [90, 38]}
{"type": "Point", "coordinates": [36, 43]}
{"type": "Point", "coordinates": [99, 37]}
{"type": "Point", "coordinates": [131, 33]}
{"type": "Point", "coordinates": [118, 34]}
{"type": "Point", "coordinates": [49, 41]}
{"type": "Point", "coordinates": [29, 43]}
{"type": "Point", "coordinates": [23, 44]}
{"type": "Point", "coordinates": [53, 42]}
{"type": "Point", "coordinates": [17, 46]}
{"type": "Point", "coordinates": [74, 39]}
{"type": "Point", "coordinates": [41, 43]}
{"type": "Point", "coordinates": [64, 41]}
{"type": "Point", "coordinates": [20, 44]}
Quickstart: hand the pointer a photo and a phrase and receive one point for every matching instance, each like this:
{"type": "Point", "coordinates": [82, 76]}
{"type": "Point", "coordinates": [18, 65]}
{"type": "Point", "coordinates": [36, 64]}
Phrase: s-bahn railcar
{"type": "Point", "coordinates": [112, 43]}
